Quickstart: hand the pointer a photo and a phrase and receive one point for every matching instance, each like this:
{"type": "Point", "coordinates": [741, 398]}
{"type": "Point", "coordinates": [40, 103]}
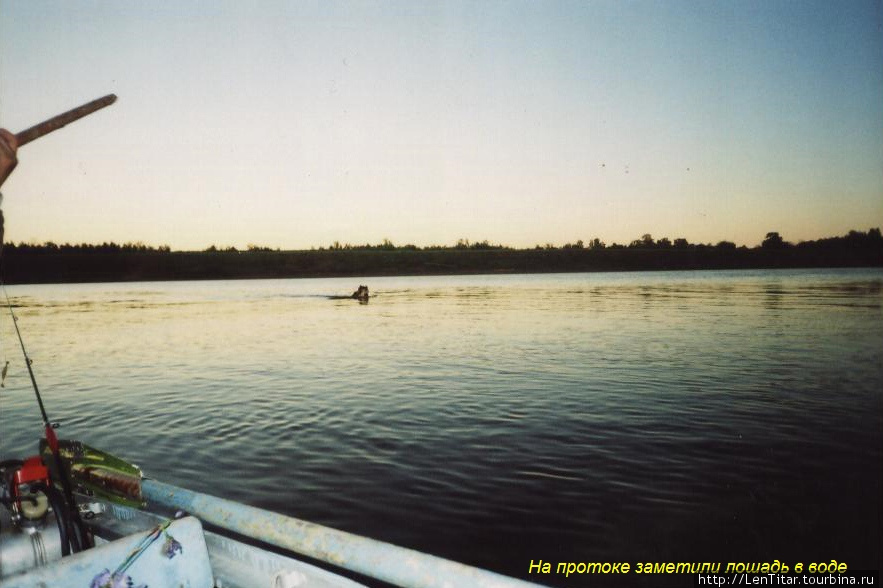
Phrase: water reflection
{"type": "Point", "coordinates": [609, 417]}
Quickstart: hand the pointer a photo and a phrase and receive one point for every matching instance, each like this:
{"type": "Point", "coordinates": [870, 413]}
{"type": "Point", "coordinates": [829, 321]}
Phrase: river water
{"type": "Point", "coordinates": [496, 420]}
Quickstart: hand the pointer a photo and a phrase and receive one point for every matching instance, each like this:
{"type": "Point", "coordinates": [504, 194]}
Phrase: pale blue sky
{"type": "Point", "coordinates": [295, 124]}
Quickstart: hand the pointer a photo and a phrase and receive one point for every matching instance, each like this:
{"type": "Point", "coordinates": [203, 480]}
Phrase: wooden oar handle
{"type": "Point", "coordinates": [56, 122]}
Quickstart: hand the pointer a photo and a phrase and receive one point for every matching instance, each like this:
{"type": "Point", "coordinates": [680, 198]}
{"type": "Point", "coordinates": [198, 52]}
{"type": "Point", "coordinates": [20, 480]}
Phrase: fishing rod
{"type": "Point", "coordinates": [78, 534]}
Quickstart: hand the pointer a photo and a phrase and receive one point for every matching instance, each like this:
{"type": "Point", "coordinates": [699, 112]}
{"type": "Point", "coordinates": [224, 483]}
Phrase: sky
{"type": "Point", "coordinates": [297, 124]}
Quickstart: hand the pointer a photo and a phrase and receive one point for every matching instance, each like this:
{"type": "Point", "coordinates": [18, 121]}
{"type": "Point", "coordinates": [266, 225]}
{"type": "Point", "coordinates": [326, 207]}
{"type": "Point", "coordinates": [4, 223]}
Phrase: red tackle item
{"type": "Point", "coordinates": [32, 471]}
{"type": "Point", "coordinates": [52, 439]}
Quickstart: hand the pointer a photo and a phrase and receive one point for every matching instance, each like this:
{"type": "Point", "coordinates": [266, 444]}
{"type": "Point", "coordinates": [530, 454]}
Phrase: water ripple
{"type": "Point", "coordinates": [492, 419]}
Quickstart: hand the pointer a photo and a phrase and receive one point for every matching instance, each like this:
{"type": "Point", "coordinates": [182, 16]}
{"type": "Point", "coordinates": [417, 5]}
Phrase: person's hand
{"type": "Point", "coordinates": [8, 160]}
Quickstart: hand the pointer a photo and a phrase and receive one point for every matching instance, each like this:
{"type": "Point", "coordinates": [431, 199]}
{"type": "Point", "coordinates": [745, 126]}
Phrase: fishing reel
{"type": "Point", "coordinates": [22, 490]}
{"type": "Point", "coordinates": [36, 526]}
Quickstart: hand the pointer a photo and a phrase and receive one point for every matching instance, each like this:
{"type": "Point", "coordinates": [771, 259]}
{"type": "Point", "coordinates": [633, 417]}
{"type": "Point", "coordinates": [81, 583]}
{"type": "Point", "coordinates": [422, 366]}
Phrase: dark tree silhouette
{"type": "Point", "coordinates": [773, 241]}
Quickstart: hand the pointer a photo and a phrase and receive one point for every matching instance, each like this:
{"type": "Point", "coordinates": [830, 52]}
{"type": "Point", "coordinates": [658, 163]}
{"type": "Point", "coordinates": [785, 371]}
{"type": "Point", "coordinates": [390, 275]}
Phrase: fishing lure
{"type": "Point", "coordinates": [171, 547]}
{"type": "Point", "coordinates": [107, 580]}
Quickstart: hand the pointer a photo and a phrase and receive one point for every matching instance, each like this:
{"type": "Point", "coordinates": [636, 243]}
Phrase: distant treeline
{"type": "Point", "coordinates": [50, 247]}
{"type": "Point", "coordinates": [50, 262]}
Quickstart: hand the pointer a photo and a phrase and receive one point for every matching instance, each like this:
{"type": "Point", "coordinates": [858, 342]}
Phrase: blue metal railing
{"type": "Point", "coordinates": [399, 566]}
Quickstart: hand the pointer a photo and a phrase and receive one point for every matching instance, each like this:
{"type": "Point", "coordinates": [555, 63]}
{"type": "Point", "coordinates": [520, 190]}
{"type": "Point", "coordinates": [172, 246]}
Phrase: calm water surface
{"type": "Point", "coordinates": [690, 416]}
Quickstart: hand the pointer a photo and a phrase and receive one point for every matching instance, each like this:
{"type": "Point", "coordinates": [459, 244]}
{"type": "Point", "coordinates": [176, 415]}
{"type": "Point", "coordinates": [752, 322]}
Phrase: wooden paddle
{"type": "Point", "coordinates": [56, 122]}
